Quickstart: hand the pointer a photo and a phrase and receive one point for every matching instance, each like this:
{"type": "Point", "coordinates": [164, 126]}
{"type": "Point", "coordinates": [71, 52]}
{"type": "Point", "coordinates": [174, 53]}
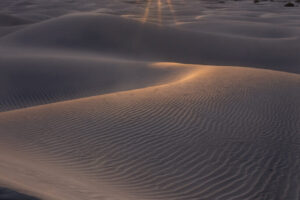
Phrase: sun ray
{"type": "Point", "coordinates": [170, 5]}
{"type": "Point", "coordinates": [159, 11]}
{"type": "Point", "coordinates": [147, 9]}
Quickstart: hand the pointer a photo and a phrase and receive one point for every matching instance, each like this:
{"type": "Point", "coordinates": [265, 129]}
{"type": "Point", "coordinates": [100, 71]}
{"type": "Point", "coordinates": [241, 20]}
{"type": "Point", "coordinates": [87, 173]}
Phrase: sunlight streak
{"type": "Point", "coordinates": [160, 6]}
{"type": "Point", "coordinates": [159, 12]}
{"type": "Point", "coordinates": [147, 9]}
{"type": "Point", "coordinates": [169, 2]}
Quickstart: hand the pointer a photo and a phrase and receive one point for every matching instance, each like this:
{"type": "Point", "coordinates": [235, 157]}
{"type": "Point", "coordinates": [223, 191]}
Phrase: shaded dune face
{"type": "Point", "coordinates": [6, 194]}
{"type": "Point", "coordinates": [244, 29]}
{"type": "Point", "coordinates": [9, 20]}
{"type": "Point", "coordinates": [215, 133]}
{"type": "Point", "coordinates": [50, 61]}
{"type": "Point", "coordinates": [34, 79]}
{"type": "Point", "coordinates": [132, 39]}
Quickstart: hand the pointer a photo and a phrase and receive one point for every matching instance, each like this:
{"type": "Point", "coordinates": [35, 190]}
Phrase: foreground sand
{"type": "Point", "coordinates": [100, 106]}
{"type": "Point", "coordinates": [215, 133]}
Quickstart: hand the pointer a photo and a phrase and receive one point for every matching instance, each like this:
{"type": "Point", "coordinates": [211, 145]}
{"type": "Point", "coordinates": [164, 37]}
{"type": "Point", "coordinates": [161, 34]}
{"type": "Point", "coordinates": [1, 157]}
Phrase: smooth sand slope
{"type": "Point", "coordinates": [34, 77]}
{"type": "Point", "coordinates": [96, 105]}
{"type": "Point", "coordinates": [113, 35]}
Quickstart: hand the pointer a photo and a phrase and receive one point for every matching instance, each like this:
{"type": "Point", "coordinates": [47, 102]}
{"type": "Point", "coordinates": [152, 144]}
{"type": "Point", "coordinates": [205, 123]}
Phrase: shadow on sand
{"type": "Point", "coordinates": [7, 194]}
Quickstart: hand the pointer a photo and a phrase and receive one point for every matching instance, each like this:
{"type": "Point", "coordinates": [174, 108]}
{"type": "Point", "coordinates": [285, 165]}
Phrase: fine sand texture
{"type": "Point", "coordinates": [149, 100]}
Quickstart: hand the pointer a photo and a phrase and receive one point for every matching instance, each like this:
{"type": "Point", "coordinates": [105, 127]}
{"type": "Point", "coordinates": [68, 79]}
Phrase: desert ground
{"type": "Point", "coordinates": [149, 100]}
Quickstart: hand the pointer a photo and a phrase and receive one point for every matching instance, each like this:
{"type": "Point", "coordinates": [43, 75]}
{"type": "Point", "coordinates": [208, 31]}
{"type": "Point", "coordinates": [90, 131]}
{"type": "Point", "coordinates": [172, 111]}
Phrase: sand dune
{"type": "Point", "coordinates": [216, 133]}
{"type": "Point", "coordinates": [114, 35]}
{"type": "Point", "coordinates": [96, 103]}
{"type": "Point", "coordinates": [9, 20]}
{"type": "Point", "coordinates": [34, 78]}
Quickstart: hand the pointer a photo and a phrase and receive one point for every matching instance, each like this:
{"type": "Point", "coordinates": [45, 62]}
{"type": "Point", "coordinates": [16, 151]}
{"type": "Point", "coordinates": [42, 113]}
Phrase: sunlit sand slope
{"type": "Point", "coordinates": [214, 133]}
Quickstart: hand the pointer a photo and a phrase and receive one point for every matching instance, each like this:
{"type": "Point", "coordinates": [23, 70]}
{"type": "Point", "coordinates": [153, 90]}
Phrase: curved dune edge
{"type": "Point", "coordinates": [40, 78]}
{"type": "Point", "coordinates": [202, 136]}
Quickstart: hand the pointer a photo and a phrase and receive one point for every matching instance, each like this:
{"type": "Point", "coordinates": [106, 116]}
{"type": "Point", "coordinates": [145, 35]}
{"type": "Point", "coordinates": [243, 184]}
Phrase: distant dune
{"type": "Point", "coordinates": [114, 35]}
{"type": "Point", "coordinates": [131, 100]}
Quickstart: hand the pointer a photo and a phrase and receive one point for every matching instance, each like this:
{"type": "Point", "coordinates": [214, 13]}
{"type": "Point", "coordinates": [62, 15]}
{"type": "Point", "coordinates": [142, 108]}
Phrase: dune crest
{"type": "Point", "coordinates": [35, 79]}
